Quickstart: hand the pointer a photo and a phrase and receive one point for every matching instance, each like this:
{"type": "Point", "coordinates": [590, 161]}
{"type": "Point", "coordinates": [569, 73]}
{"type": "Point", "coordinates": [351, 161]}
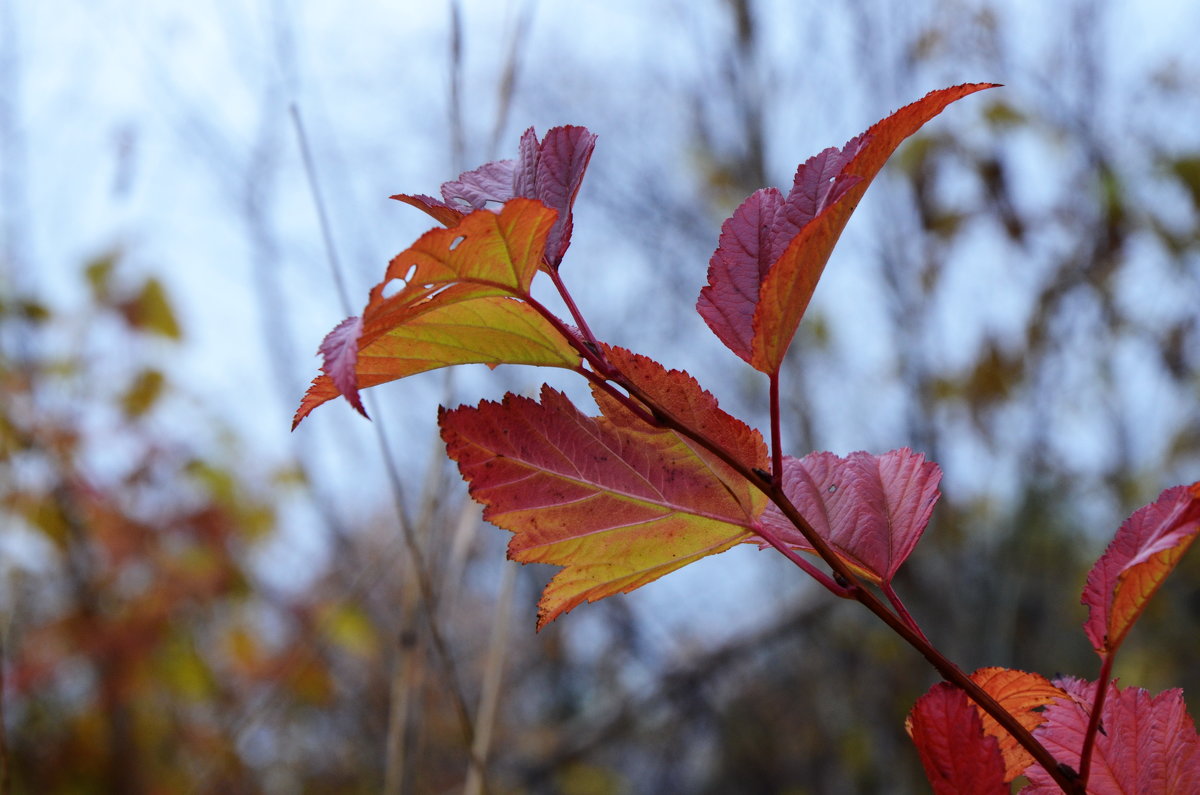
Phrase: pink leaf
{"type": "Point", "coordinates": [1144, 551]}
{"type": "Point", "coordinates": [959, 759]}
{"type": "Point", "coordinates": [872, 509]}
{"type": "Point", "coordinates": [340, 352]}
{"type": "Point", "coordinates": [1146, 743]}
{"type": "Point", "coordinates": [738, 266]}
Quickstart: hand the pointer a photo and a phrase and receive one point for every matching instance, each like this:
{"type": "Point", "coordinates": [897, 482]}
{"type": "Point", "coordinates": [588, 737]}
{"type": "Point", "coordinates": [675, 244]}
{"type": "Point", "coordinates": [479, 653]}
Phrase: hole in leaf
{"type": "Point", "coordinates": [833, 488]}
{"type": "Point", "coordinates": [397, 284]}
{"type": "Point", "coordinates": [456, 241]}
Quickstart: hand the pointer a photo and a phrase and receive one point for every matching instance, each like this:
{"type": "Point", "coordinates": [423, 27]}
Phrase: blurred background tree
{"type": "Point", "coordinates": [194, 601]}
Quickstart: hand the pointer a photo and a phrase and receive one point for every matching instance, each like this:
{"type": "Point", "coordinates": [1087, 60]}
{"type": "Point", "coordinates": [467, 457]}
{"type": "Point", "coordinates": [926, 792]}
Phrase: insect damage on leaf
{"type": "Point", "coordinates": [460, 300]}
{"type": "Point", "coordinates": [550, 170]}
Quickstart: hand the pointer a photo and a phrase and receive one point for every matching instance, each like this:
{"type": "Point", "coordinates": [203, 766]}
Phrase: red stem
{"type": "Point", "coordinates": [901, 610]}
{"type": "Point", "coordinates": [1089, 737]}
{"type": "Point", "coordinates": [843, 574]}
{"type": "Point", "coordinates": [776, 435]}
{"type": "Point", "coordinates": [574, 310]}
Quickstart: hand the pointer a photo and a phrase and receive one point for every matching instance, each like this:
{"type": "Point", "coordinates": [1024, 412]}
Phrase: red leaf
{"type": "Point", "coordinates": [871, 509]}
{"type": "Point", "coordinates": [550, 171]}
{"type": "Point", "coordinates": [458, 302]}
{"type": "Point", "coordinates": [1147, 743]}
{"type": "Point", "coordinates": [1144, 551]}
{"type": "Point", "coordinates": [959, 759]}
{"type": "Point", "coordinates": [772, 251]}
{"type": "Point", "coordinates": [616, 502]}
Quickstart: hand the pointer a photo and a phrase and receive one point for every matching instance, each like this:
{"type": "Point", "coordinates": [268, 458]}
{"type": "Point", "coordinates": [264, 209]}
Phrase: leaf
{"type": "Point", "coordinates": [550, 171]}
{"type": "Point", "coordinates": [1024, 695]}
{"type": "Point", "coordinates": [141, 395]}
{"type": "Point", "coordinates": [679, 394]}
{"type": "Point", "coordinates": [1147, 743]}
{"type": "Point", "coordinates": [151, 310]}
{"type": "Point", "coordinates": [339, 350]}
{"type": "Point", "coordinates": [959, 758]}
{"type": "Point", "coordinates": [553, 172]}
{"type": "Point", "coordinates": [772, 250]}
{"type": "Point", "coordinates": [443, 213]}
{"type": "Point", "coordinates": [491, 182]}
{"type": "Point", "coordinates": [1144, 551]}
{"type": "Point", "coordinates": [459, 301]}
{"type": "Point", "coordinates": [618, 503]}
{"type": "Point", "coordinates": [872, 509]}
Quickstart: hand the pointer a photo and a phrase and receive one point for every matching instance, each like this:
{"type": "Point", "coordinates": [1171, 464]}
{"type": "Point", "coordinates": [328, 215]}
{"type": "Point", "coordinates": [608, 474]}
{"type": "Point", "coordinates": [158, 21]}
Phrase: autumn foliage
{"type": "Point", "coordinates": [662, 476]}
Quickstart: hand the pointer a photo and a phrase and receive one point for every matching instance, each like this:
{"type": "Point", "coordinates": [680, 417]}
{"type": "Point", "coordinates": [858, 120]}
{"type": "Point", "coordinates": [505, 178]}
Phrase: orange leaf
{"type": "Point", "coordinates": [1022, 694]}
{"type": "Point", "coordinates": [458, 301]}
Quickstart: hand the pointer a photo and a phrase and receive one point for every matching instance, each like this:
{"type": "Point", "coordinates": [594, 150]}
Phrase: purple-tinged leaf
{"type": "Point", "coordinates": [744, 255]}
{"type": "Point", "coordinates": [491, 182]}
{"type": "Point", "coordinates": [561, 162]}
{"type": "Point", "coordinates": [339, 350]}
{"type": "Point", "coordinates": [872, 509]}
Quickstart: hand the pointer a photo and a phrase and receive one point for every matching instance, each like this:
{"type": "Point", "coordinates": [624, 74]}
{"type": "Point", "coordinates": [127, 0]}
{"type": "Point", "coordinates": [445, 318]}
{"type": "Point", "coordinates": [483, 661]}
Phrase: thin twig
{"type": "Point", "coordinates": [392, 471]}
{"type": "Point", "coordinates": [314, 187]}
{"type": "Point", "coordinates": [489, 699]}
{"type": "Point", "coordinates": [5, 775]}
{"type": "Point", "coordinates": [506, 89]}
{"type": "Point", "coordinates": [458, 138]}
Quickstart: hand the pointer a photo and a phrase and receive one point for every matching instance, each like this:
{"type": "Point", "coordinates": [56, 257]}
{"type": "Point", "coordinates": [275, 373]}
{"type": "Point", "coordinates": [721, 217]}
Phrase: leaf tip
{"type": "Point", "coordinates": [340, 352]}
